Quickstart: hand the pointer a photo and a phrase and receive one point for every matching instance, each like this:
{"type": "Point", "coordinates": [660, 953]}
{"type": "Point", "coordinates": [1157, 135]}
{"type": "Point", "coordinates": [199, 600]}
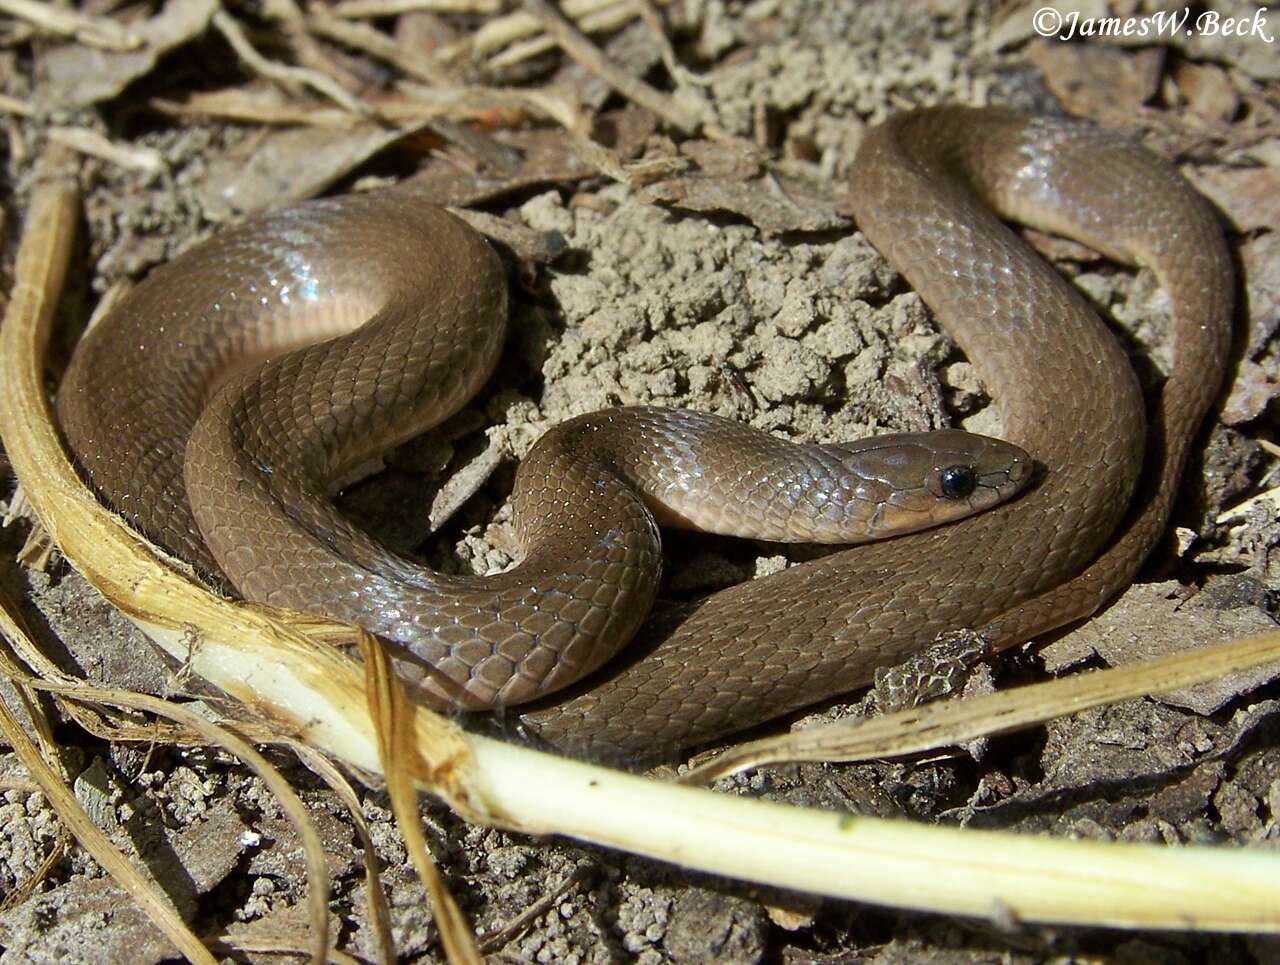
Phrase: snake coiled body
{"type": "Point", "coordinates": [927, 189]}
{"type": "Point", "coordinates": [205, 411]}
{"type": "Point", "coordinates": [225, 459]}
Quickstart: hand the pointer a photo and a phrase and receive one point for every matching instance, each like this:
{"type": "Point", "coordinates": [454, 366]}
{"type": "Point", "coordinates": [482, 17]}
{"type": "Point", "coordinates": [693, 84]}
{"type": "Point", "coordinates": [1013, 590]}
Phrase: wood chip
{"type": "Point", "coordinates": [1208, 91]}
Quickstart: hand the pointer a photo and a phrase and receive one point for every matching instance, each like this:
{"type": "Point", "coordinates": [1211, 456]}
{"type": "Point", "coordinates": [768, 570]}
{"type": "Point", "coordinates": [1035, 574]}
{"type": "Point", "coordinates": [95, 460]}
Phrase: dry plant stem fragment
{"type": "Point", "coordinates": [954, 722]}
{"type": "Point", "coordinates": [284, 74]}
{"type": "Point", "coordinates": [94, 31]}
{"type": "Point", "coordinates": [592, 58]}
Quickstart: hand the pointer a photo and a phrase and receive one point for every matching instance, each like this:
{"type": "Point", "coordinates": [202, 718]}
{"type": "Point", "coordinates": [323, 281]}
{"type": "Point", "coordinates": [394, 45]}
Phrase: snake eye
{"type": "Point", "coordinates": [958, 481]}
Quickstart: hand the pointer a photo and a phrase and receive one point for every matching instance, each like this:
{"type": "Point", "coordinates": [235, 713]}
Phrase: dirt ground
{"type": "Point", "coordinates": [736, 286]}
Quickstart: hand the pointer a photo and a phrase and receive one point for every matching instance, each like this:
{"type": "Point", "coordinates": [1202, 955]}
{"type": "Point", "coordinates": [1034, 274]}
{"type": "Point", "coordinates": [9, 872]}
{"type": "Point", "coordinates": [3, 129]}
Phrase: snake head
{"type": "Point", "coordinates": [904, 482]}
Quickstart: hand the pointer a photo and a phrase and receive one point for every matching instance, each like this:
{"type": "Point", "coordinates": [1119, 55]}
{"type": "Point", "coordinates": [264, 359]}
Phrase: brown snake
{"type": "Point", "coordinates": [275, 435]}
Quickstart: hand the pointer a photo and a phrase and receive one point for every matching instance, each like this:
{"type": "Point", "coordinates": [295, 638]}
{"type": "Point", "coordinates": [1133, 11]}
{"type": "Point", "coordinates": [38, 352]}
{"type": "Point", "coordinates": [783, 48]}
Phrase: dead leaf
{"type": "Point", "coordinates": [289, 165]}
{"type": "Point", "coordinates": [1250, 197]}
{"type": "Point", "coordinates": [1136, 626]}
{"type": "Point", "coordinates": [772, 203]}
{"type": "Point", "coordinates": [73, 75]}
{"type": "Point", "coordinates": [1098, 81]}
{"type": "Point", "coordinates": [736, 160]}
{"type": "Point", "coordinates": [547, 158]}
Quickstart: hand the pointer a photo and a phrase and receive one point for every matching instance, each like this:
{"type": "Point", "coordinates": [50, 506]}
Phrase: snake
{"type": "Point", "coordinates": [221, 404]}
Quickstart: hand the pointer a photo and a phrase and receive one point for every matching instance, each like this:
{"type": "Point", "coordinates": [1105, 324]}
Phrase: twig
{"type": "Point", "coordinates": [590, 57]}
{"type": "Point", "coordinates": [955, 722]}
{"type": "Point", "coordinates": [306, 50]}
{"type": "Point", "coordinates": [11, 105]}
{"type": "Point", "coordinates": [1241, 510]}
{"type": "Point", "coordinates": [375, 896]}
{"type": "Point", "coordinates": [426, 103]}
{"type": "Point", "coordinates": [648, 11]}
{"type": "Point", "coordinates": [290, 77]}
{"type": "Point", "coordinates": [375, 43]}
{"type": "Point", "coordinates": [398, 752]}
{"type": "Point", "coordinates": [271, 946]}
{"type": "Point", "coordinates": [94, 31]}
{"type": "Point", "coordinates": [589, 15]}
{"type": "Point", "coordinates": [90, 142]}
{"type": "Point", "coordinates": [517, 926]}
{"type": "Point", "coordinates": [247, 109]}
{"type": "Point", "coordinates": [391, 8]}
